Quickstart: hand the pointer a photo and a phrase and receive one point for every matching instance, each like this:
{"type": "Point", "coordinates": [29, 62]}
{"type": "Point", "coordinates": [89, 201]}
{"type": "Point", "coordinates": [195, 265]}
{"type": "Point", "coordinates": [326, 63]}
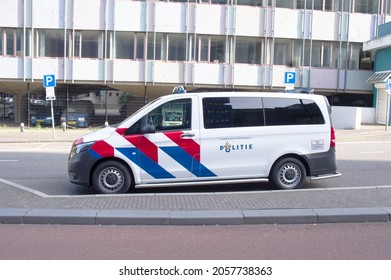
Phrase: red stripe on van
{"type": "Point", "coordinates": [103, 149]}
{"type": "Point", "coordinates": [145, 146]}
{"type": "Point", "coordinates": [190, 146]}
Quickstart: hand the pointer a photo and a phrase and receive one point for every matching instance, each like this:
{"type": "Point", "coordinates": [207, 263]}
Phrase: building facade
{"type": "Point", "coordinates": [381, 45]}
{"type": "Point", "coordinates": [145, 48]}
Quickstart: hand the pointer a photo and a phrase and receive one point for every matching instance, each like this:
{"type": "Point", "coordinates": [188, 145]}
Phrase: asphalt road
{"type": "Point", "coordinates": [42, 167]}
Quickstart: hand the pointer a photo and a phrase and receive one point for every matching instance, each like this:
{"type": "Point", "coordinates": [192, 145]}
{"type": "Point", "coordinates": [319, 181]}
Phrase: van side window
{"type": "Point", "coordinates": [224, 112]}
{"type": "Point", "coordinates": [291, 111]}
{"type": "Point", "coordinates": [172, 115]}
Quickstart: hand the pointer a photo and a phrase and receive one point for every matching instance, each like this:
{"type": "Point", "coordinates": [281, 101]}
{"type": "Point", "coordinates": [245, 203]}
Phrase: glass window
{"type": "Point", "coordinates": [91, 45]}
{"type": "Point", "coordinates": [297, 53]}
{"type": "Point", "coordinates": [323, 54]}
{"type": "Point", "coordinates": [88, 44]}
{"type": "Point", "coordinates": [355, 56]}
{"type": "Point", "coordinates": [172, 115]}
{"type": "Point", "coordinates": [301, 4]}
{"type": "Point", "coordinates": [284, 3]}
{"type": "Point", "coordinates": [209, 48]}
{"type": "Point", "coordinates": [316, 53]}
{"type": "Point", "coordinates": [291, 111]}
{"type": "Point", "coordinates": [248, 51]}
{"type": "Point", "coordinates": [109, 46]}
{"type": "Point", "coordinates": [9, 35]}
{"type": "Point", "coordinates": [19, 42]}
{"type": "Point", "coordinates": [155, 47]}
{"type": "Point", "coordinates": [204, 48]}
{"type": "Point", "coordinates": [124, 45]}
{"type": "Point", "coordinates": [366, 6]}
{"type": "Point", "coordinates": [283, 52]}
{"type": "Point", "coordinates": [326, 62]}
{"type": "Point", "coordinates": [341, 5]}
{"type": "Point", "coordinates": [140, 37]}
{"type": "Point", "coordinates": [151, 54]}
{"type": "Point", "coordinates": [217, 49]}
{"type": "Point", "coordinates": [220, 2]}
{"type": "Point", "coordinates": [28, 42]}
{"type": "Point", "coordinates": [343, 60]}
{"type": "Point", "coordinates": [177, 47]}
{"type": "Point", "coordinates": [367, 60]}
{"type": "Point", "coordinates": [328, 5]}
{"type": "Point", "coordinates": [335, 54]}
{"type": "Point", "coordinates": [318, 4]}
{"type": "Point", "coordinates": [77, 43]}
{"type": "Point", "coordinates": [257, 3]}
{"type": "Point", "coordinates": [1, 41]}
{"type": "Point", "coordinates": [50, 43]}
{"type": "Point", "coordinates": [224, 112]}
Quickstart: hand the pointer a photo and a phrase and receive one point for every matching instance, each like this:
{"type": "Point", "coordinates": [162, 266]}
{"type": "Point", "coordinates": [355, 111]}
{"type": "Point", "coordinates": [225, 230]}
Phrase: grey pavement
{"type": "Point", "coordinates": [21, 205]}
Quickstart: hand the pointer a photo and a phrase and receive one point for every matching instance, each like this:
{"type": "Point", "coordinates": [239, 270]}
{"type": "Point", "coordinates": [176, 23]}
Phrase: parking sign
{"type": "Point", "coordinates": [290, 77]}
{"type": "Point", "coordinates": [49, 81]}
{"type": "Point", "coordinates": [388, 86]}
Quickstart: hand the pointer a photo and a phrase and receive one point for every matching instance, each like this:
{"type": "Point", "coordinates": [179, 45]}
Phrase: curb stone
{"type": "Point", "coordinates": [202, 217]}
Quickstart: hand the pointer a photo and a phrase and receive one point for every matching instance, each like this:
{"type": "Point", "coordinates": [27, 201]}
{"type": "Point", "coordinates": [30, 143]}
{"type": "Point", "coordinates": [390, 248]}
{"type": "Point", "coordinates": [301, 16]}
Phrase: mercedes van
{"type": "Point", "coordinates": [211, 138]}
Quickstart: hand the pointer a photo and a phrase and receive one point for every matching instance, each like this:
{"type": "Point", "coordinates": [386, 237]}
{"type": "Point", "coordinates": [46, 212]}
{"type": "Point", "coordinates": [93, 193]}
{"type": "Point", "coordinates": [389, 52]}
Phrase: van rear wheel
{"type": "Point", "coordinates": [288, 173]}
{"type": "Point", "coordinates": [111, 177]}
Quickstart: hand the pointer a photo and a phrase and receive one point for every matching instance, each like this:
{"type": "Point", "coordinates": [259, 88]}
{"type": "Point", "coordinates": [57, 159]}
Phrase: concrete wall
{"type": "Point", "coordinates": [352, 117]}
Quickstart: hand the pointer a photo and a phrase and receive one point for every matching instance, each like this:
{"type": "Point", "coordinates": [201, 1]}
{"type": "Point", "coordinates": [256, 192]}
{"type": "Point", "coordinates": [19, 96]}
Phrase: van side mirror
{"type": "Point", "coordinates": [148, 129]}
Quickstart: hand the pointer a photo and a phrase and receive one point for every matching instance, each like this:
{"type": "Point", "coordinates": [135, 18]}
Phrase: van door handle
{"type": "Point", "coordinates": [187, 135]}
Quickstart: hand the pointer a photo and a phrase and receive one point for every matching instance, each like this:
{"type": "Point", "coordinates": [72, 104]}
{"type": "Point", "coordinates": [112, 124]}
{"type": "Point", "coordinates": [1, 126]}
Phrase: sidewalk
{"type": "Point", "coordinates": [19, 204]}
{"type": "Point", "coordinates": [15, 134]}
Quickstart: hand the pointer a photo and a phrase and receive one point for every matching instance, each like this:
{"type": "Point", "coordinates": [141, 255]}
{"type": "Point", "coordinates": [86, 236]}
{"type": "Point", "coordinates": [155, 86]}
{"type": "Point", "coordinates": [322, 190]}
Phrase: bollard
{"type": "Point", "coordinates": [106, 124]}
{"type": "Point", "coordinates": [64, 126]}
{"type": "Point", "coordinates": [21, 127]}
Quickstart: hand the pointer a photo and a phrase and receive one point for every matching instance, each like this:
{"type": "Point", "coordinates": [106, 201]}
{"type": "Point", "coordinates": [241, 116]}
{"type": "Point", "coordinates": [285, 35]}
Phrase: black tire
{"type": "Point", "coordinates": [111, 177]}
{"type": "Point", "coordinates": [288, 173]}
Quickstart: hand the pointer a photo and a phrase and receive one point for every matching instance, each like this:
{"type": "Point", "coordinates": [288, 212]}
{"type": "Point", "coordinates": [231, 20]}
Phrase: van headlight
{"type": "Point", "coordinates": [79, 148]}
{"type": "Point", "coordinates": [81, 119]}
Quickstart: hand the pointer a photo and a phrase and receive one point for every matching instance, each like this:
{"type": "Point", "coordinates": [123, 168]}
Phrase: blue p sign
{"type": "Point", "coordinates": [49, 81]}
{"type": "Point", "coordinates": [388, 84]}
{"type": "Point", "coordinates": [290, 78]}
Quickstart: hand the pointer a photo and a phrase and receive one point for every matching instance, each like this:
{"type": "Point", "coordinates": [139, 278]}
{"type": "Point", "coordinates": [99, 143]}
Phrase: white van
{"type": "Point", "coordinates": [210, 138]}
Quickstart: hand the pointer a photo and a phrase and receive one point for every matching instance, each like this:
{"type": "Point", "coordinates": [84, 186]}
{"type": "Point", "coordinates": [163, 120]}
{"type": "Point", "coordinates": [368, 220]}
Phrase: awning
{"type": "Point", "coordinates": [379, 77]}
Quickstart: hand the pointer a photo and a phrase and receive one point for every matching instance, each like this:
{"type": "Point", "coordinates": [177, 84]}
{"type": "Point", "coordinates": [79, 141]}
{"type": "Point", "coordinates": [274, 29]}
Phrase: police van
{"type": "Point", "coordinates": [211, 138]}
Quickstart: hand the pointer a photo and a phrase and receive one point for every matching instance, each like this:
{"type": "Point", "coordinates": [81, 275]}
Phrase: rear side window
{"type": "Point", "coordinates": [291, 111]}
{"type": "Point", "coordinates": [224, 112]}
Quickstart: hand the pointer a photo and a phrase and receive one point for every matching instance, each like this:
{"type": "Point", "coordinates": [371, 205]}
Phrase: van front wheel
{"type": "Point", "coordinates": [288, 173]}
{"type": "Point", "coordinates": [111, 177]}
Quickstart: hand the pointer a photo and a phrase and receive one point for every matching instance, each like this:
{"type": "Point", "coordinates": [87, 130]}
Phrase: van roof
{"type": "Point", "coordinates": [251, 93]}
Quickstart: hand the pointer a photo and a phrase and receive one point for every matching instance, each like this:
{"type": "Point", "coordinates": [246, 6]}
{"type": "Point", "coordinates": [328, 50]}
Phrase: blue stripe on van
{"type": "Point", "coordinates": [188, 162]}
{"type": "Point", "coordinates": [145, 163]}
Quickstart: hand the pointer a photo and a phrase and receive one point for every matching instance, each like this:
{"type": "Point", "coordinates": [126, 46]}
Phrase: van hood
{"type": "Point", "coordinates": [99, 134]}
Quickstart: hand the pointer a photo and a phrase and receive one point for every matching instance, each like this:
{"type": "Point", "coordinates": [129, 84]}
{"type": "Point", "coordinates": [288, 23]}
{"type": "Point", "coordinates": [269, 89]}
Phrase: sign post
{"type": "Point", "coordinates": [49, 82]}
{"type": "Point", "coordinates": [388, 93]}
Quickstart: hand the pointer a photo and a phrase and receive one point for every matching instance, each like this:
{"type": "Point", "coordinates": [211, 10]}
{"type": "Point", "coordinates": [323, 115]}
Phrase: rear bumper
{"type": "Point", "coordinates": [322, 165]}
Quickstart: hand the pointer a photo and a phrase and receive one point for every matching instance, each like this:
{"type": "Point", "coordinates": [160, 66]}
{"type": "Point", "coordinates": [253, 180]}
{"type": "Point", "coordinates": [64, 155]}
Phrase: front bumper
{"type": "Point", "coordinates": [79, 168]}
